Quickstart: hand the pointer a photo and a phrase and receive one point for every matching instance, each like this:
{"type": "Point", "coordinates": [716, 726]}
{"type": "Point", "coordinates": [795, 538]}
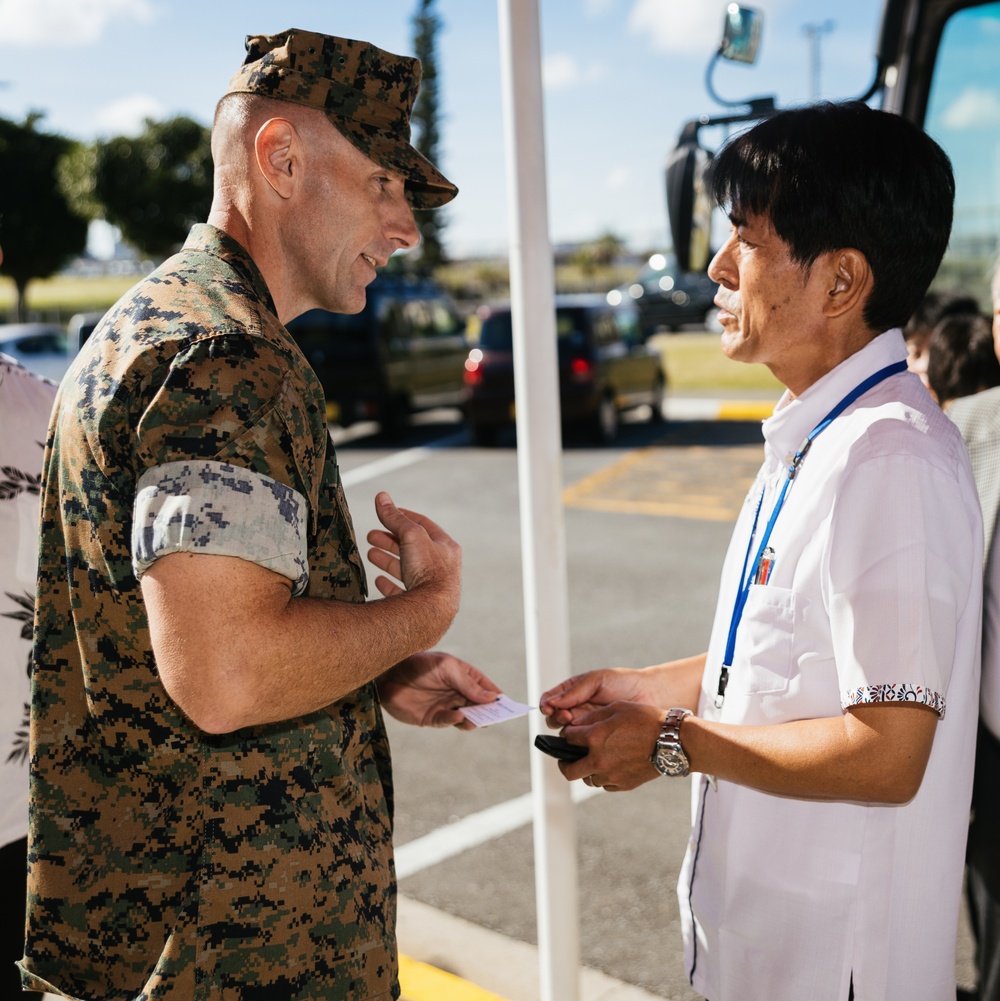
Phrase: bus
{"type": "Point", "coordinates": [936, 63]}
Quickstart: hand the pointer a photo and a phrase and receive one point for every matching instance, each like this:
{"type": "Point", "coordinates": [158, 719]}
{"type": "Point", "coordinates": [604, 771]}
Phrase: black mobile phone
{"type": "Point", "coordinates": [560, 747]}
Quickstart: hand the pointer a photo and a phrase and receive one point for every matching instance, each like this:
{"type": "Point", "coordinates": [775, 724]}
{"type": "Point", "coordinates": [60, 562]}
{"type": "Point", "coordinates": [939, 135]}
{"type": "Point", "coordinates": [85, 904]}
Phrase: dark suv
{"type": "Point", "coordinates": [668, 297]}
{"type": "Point", "coordinates": [405, 351]}
{"type": "Point", "coordinates": [605, 366]}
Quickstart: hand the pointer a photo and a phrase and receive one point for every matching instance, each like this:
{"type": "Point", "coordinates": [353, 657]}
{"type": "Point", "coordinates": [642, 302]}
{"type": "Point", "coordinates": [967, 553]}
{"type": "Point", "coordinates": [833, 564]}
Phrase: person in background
{"type": "Point", "coordinates": [978, 419]}
{"type": "Point", "coordinates": [832, 718]}
{"type": "Point", "coordinates": [933, 308]}
{"type": "Point", "coordinates": [25, 405]}
{"type": "Point", "coordinates": [211, 788]}
{"type": "Point", "coordinates": [961, 360]}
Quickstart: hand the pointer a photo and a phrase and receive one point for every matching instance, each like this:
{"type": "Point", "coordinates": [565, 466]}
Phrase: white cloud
{"type": "Point", "coordinates": [64, 22]}
{"type": "Point", "coordinates": [678, 25]}
{"type": "Point", "coordinates": [975, 107]}
{"type": "Point", "coordinates": [689, 27]}
{"type": "Point", "coordinates": [561, 71]}
{"type": "Point", "coordinates": [618, 179]}
{"type": "Point", "coordinates": [125, 116]}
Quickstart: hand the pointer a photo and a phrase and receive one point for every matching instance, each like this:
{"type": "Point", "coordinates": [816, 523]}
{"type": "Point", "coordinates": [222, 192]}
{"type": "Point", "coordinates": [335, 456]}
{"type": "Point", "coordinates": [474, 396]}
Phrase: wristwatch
{"type": "Point", "coordinates": [668, 756]}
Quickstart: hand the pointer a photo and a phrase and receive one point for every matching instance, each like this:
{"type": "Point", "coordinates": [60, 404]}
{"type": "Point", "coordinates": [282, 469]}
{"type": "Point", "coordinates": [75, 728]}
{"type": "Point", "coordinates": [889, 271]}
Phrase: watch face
{"type": "Point", "coordinates": [671, 760]}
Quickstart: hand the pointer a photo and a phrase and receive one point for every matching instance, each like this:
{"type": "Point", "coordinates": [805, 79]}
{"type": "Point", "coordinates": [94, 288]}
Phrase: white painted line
{"type": "Point", "coordinates": [400, 460]}
{"type": "Point", "coordinates": [472, 831]}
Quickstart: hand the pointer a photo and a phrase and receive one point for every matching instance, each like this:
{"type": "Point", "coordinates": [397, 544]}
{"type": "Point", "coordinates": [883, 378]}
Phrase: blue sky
{"type": "Point", "coordinates": [621, 77]}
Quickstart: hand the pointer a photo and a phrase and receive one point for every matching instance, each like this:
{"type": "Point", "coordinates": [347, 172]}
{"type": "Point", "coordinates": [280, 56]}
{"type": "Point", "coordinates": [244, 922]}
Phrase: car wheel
{"type": "Point", "coordinates": [606, 420]}
{"type": "Point", "coordinates": [656, 403]}
{"type": "Point", "coordinates": [484, 435]}
{"type": "Point", "coordinates": [393, 416]}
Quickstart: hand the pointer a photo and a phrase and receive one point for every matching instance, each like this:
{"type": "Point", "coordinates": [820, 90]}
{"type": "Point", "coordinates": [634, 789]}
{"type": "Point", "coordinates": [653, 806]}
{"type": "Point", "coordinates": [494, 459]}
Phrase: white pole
{"type": "Point", "coordinates": [539, 463]}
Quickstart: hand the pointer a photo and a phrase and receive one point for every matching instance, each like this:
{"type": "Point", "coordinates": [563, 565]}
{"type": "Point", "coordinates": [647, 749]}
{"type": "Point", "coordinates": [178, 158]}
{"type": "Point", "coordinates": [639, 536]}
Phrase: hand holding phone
{"type": "Point", "coordinates": [560, 747]}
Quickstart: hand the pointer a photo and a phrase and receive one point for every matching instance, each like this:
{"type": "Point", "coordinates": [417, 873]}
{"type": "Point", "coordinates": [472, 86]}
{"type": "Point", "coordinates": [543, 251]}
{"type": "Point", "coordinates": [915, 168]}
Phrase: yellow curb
{"type": "Point", "coordinates": [740, 410]}
{"type": "Point", "coordinates": [420, 982]}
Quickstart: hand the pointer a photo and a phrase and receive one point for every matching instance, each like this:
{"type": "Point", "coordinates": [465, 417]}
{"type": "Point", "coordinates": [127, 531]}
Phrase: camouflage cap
{"type": "Point", "coordinates": [366, 92]}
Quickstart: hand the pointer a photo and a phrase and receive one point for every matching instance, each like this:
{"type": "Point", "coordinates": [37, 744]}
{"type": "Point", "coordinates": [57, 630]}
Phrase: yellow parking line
{"type": "Point", "coordinates": [700, 512]}
{"type": "Point", "coordinates": [420, 982]}
{"type": "Point", "coordinates": [745, 410]}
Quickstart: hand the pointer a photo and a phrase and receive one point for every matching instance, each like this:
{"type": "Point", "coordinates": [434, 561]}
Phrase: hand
{"type": "Point", "coordinates": [620, 738]}
{"type": "Point", "coordinates": [416, 552]}
{"type": "Point", "coordinates": [425, 689]}
{"type": "Point", "coordinates": [582, 694]}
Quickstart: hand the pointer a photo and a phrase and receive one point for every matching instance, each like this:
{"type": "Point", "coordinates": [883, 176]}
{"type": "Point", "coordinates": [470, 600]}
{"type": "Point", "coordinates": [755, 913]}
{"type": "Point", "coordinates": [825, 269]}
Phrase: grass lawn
{"type": "Point", "coordinates": [64, 295]}
{"type": "Point", "coordinates": [694, 361]}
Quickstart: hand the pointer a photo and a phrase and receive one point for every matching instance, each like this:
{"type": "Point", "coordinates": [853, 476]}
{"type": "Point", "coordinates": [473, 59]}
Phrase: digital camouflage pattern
{"type": "Point", "coordinates": [213, 507]}
{"type": "Point", "coordinates": [165, 862]}
{"type": "Point", "coordinates": [366, 92]}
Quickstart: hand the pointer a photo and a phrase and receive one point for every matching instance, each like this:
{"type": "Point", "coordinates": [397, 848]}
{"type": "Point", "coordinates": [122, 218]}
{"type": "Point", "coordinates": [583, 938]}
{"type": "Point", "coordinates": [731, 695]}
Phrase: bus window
{"type": "Point", "coordinates": [963, 115]}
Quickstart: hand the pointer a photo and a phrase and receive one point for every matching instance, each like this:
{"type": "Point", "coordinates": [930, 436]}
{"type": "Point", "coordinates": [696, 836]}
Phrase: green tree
{"type": "Point", "coordinates": [426, 124]}
{"type": "Point", "coordinates": [39, 231]}
{"type": "Point", "coordinates": [152, 187]}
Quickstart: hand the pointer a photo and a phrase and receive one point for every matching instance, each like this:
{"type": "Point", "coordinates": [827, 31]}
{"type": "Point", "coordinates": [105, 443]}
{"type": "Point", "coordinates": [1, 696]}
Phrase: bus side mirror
{"type": "Point", "coordinates": [689, 205]}
{"type": "Point", "coordinates": [740, 34]}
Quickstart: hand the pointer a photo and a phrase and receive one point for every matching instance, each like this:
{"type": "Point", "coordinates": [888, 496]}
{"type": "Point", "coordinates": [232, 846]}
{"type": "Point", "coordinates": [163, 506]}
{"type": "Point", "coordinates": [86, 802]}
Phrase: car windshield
{"type": "Point", "coordinates": [497, 334]}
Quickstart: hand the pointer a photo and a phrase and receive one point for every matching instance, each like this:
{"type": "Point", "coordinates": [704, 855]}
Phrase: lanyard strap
{"type": "Point", "coordinates": [750, 569]}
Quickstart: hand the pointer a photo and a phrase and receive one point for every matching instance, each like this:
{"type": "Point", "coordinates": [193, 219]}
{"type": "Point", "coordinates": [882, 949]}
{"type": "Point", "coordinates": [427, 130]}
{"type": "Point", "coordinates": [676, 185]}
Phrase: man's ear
{"type": "Point", "coordinates": [276, 146]}
{"type": "Point", "coordinates": [849, 282]}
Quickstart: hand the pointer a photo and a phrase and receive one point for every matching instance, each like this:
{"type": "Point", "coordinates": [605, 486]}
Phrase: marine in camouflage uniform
{"type": "Point", "coordinates": [167, 862]}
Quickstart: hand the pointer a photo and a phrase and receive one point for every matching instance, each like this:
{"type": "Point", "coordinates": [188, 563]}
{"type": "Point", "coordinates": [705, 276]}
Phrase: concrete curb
{"type": "Point", "coordinates": [691, 408]}
{"type": "Point", "coordinates": [445, 958]}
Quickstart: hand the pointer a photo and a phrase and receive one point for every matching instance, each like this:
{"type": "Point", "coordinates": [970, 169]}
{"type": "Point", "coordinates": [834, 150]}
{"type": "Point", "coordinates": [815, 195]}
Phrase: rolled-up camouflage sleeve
{"type": "Point", "coordinates": [203, 506]}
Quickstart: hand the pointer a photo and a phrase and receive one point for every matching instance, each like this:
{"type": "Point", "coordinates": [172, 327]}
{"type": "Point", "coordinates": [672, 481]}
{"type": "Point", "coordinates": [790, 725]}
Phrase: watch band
{"type": "Point", "coordinates": [670, 730]}
{"type": "Point", "coordinates": [668, 755]}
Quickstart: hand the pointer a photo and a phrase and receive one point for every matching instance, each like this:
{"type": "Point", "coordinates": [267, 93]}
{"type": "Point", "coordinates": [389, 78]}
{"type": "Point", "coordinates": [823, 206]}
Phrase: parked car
{"type": "Point", "coordinates": [668, 297]}
{"type": "Point", "coordinates": [404, 352]}
{"type": "Point", "coordinates": [80, 327]}
{"type": "Point", "coordinates": [41, 347]}
{"type": "Point", "coordinates": [605, 367]}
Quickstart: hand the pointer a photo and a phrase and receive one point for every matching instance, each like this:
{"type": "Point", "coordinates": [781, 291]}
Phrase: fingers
{"type": "Point", "coordinates": [471, 683]}
{"type": "Point", "coordinates": [388, 588]}
{"type": "Point", "coordinates": [398, 519]}
{"type": "Point", "coordinates": [571, 692]}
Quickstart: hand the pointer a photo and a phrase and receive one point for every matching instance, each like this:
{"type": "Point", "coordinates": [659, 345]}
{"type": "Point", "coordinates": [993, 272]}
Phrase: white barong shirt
{"type": "Point", "coordinates": [875, 596]}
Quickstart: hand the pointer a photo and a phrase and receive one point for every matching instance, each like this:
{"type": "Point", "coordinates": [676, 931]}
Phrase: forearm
{"type": "Point", "coordinates": [677, 683]}
{"type": "Point", "coordinates": [240, 656]}
{"type": "Point", "coordinates": [875, 753]}
{"type": "Point", "coordinates": [317, 651]}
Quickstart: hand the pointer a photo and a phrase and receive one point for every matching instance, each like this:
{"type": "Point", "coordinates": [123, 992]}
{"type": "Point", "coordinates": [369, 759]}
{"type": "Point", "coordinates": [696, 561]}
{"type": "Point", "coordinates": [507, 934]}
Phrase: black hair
{"type": "Point", "coordinates": [837, 176]}
{"type": "Point", "coordinates": [935, 306]}
{"type": "Point", "coordinates": [961, 358]}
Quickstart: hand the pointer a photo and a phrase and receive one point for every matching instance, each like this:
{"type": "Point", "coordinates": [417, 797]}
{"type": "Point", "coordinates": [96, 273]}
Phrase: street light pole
{"type": "Point", "coordinates": [815, 32]}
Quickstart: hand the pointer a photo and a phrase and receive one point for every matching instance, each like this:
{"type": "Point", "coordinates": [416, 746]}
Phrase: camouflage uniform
{"type": "Point", "coordinates": [165, 862]}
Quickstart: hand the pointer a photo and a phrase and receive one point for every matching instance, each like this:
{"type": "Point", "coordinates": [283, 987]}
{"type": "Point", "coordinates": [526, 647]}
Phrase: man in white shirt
{"type": "Point", "coordinates": [25, 404]}
{"type": "Point", "coordinates": [978, 418]}
{"type": "Point", "coordinates": [832, 718]}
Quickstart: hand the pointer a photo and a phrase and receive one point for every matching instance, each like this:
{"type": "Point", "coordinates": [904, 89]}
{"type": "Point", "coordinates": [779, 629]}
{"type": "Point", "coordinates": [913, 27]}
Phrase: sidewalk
{"type": "Point", "coordinates": [444, 958]}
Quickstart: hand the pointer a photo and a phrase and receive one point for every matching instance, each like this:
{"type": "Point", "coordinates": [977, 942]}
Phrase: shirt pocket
{"type": "Point", "coordinates": [764, 645]}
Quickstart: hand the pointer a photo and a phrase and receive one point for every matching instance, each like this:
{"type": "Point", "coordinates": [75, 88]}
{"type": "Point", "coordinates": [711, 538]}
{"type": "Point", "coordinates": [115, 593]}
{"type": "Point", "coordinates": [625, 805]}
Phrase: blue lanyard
{"type": "Point", "coordinates": [761, 566]}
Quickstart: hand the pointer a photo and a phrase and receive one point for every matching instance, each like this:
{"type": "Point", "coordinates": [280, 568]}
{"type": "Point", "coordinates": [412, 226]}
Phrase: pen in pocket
{"type": "Point", "coordinates": [764, 566]}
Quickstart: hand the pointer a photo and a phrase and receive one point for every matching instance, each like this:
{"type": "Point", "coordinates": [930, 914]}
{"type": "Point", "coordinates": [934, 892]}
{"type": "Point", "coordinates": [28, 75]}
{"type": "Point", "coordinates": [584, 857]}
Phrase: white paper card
{"type": "Point", "coordinates": [495, 712]}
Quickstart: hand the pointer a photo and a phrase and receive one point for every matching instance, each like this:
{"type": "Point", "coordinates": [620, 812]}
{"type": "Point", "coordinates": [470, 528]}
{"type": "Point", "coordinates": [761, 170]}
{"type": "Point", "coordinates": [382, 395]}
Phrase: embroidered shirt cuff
{"type": "Point", "coordinates": [895, 693]}
{"type": "Point", "coordinates": [223, 510]}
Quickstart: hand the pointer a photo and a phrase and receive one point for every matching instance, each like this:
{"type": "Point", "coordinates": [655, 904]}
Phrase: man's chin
{"type": "Point", "coordinates": [347, 302]}
{"type": "Point", "coordinates": [731, 342]}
